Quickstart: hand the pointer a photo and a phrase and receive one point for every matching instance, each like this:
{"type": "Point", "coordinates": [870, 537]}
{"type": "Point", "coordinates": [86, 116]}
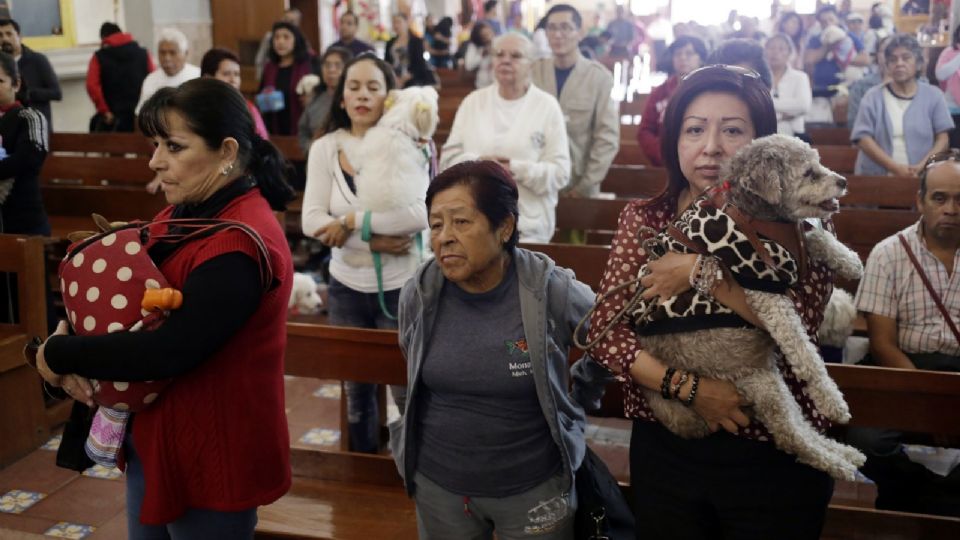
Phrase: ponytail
{"type": "Point", "coordinates": [272, 172]}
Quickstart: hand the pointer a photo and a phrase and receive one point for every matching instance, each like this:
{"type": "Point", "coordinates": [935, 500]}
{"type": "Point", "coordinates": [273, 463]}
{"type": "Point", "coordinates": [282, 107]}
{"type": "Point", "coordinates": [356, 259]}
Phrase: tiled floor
{"type": "Point", "coordinates": [38, 497]}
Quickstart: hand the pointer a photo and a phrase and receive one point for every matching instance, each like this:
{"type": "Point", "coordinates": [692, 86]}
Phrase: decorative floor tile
{"type": "Point", "coordinates": [16, 501]}
{"type": "Point", "coordinates": [70, 530]}
{"type": "Point", "coordinates": [53, 444]}
{"type": "Point", "coordinates": [99, 471]}
{"type": "Point", "coordinates": [321, 437]}
{"type": "Point", "coordinates": [331, 391]}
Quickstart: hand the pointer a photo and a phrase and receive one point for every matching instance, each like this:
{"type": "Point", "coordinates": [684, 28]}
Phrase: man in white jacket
{"type": "Point", "coordinates": [520, 126]}
{"type": "Point", "coordinates": [583, 89]}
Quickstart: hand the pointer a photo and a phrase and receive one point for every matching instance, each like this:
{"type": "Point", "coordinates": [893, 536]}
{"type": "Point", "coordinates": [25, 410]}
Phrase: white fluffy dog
{"type": "Point", "coordinates": [838, 319]}
{"type": "Point", "coordinates": [754, 229]}
{"type": "Point", "coordinates": [392, 160]}
{"type": "Point", "coordinates": [304, 297]}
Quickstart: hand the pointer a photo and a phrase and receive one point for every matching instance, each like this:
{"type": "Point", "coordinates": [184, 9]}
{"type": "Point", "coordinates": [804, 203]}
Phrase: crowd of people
{"type": "Point", "coordinates": [490, 433]}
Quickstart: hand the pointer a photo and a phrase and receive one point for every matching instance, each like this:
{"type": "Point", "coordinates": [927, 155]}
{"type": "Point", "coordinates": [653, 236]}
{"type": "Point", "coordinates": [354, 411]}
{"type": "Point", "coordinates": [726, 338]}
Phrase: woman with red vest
{"type": "Point", "coordinates": [289, 60]}
{"type": "Point", "coordinates": [214, 445]}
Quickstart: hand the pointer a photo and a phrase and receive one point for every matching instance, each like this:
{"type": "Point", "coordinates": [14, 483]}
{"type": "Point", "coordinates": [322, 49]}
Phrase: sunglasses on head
{"type": "Point", "coordinates": [952, 154]}
{"type": "Point", "coordinates": [746, 72]}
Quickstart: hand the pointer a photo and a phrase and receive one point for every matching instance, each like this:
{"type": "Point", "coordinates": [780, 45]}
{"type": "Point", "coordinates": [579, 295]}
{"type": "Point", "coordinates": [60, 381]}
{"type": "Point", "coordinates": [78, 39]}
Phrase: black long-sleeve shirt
{"type": "Point", "coordinates": [218, 298]}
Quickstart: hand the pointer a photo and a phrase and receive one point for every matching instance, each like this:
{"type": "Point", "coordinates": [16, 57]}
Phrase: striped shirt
{"type": "Point", "coordinates": [891, 287]}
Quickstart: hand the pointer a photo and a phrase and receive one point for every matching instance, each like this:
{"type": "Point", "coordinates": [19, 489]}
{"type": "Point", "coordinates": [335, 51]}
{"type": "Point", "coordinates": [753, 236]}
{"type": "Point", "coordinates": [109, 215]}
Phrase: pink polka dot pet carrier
{"type": "Point", "coordinates": [110, 284]}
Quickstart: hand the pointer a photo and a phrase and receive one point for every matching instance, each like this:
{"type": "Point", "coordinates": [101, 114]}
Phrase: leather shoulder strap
{"type": "Point", "coordinates": [929, 286]}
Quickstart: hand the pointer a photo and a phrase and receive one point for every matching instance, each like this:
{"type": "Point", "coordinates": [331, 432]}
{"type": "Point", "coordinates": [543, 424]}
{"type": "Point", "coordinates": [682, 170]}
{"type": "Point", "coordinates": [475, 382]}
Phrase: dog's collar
{"type": "Point", "coordinates": [788, 235]}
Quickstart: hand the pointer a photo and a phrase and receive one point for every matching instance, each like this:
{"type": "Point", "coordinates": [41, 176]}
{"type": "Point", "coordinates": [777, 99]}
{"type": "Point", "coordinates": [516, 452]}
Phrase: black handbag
{"type": "Point", "coordinates": [602, 511]}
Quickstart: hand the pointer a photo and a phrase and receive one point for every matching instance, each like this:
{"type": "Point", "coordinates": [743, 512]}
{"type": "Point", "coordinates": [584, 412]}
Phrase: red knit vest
{"type": "Point", "coordinates": [217, 437]}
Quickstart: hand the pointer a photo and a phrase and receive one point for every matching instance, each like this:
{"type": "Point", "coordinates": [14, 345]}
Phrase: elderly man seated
{"type": "Point", "coordinates": [907, 278]}
{"type": "Point", "coordinates": [520, 126]}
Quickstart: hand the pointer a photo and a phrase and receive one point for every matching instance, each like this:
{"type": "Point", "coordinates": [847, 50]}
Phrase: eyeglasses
{"type": "Point", "coordinates": [561, 28]}
{"type": "Point", "coordinates": [952, 154]}
{"type": "Point", "coordinates": [740, 70]}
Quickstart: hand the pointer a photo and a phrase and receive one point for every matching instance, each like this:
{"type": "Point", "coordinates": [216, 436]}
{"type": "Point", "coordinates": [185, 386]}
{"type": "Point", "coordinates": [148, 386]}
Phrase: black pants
{"type": "Point", "coordinates": [902, 484]}
{"type": "Point", "coordinates": [722, 487]}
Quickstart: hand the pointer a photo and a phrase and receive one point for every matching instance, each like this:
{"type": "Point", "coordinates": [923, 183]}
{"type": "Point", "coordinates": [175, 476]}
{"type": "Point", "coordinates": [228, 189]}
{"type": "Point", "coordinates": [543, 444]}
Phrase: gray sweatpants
{"type": "Point", "coordinates": [544, 512]}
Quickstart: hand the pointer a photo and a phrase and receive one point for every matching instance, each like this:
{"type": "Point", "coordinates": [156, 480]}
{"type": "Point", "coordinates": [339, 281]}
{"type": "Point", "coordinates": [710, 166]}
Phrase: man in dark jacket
{"type": "Point", "coordinates": [114, 77]}
{"type": "Point", "coordinates": [39, 83]}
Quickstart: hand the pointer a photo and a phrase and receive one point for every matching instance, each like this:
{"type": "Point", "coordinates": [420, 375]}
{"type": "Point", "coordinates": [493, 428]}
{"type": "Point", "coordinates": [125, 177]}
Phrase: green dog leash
{"type": "Point", "coordinates": [366, 234]}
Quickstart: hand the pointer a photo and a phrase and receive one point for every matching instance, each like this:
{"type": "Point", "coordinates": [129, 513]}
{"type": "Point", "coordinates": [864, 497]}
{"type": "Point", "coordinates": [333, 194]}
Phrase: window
{"type": "Point", "coordinates": [44, 24]}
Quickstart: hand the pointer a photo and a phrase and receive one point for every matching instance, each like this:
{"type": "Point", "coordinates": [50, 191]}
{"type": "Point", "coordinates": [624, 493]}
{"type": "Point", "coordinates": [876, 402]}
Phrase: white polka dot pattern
{"type": "Point", "coordinates": [103, 285]}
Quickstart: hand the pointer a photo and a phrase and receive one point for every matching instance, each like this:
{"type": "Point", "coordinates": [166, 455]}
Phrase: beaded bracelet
{"type": "Point", "coordinates": [693, 391]}
{"type": "Point", "coordinates": [675, 388]}
{"type": "Point", "coordinates": [705, 274]}
{"type": "Point", "coordinates": [677, 381]}
{"type": "Point", "coordinates": [665, 383]}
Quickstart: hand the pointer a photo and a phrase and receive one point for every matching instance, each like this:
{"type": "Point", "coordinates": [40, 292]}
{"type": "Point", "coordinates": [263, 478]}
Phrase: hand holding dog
{"type": "Point", "coordinates": [75, 386]}
{"type": "Point", "coordinates": [719, 404]}
{"type": "Point", "coordinates": [669, 276]}
{"type": "Point", "coordinates": [333, 234]}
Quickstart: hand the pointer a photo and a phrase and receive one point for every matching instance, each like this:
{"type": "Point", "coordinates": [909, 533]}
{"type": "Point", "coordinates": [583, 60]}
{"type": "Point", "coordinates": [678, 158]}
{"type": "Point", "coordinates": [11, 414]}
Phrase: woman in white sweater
{"type": "Point", "coordinates": [331, 213]}
{"type": "Point", "coordinates": [520, 126]}
{"type": "Point", "coordinates": [791, 90]}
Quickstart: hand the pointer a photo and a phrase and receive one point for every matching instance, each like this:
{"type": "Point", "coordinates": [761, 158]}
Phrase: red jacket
{"type": "Point", "coordinates": [648, 136]}
{"type": "Point", "coordinates": [217, 437]}
{"type": "Point", "coordinates": [94, 89]}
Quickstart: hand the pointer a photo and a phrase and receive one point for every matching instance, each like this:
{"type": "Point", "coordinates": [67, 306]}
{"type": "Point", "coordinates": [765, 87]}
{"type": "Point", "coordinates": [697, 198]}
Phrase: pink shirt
{"type": "Point", "coordinates": [258, 124]}
{"type": "Point", "coordinates": [952, 84]}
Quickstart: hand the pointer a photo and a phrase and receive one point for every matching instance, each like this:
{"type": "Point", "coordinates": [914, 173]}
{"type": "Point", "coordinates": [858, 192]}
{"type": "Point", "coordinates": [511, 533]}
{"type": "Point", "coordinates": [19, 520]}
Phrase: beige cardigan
{"type": "Point", "coordinates": [592, 119]}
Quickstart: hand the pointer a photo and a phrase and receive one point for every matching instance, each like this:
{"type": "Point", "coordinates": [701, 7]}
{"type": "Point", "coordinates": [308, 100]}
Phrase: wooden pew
{"type": "Point", "coordinates": [24, 424]}
{"type": "Point", "coordinates": [920, 401]}
{"type": "Point", "coordinates": [862, 229]}
{"type": "Point", "coordinates": [838, 136]}
{"type": "Point", "coordinates": [838, 158]}
{"type": "Point", "coordinates": [337, 494]}
{"type": "Point", "coordinates": [101, 143]}
{"type": "Point", "coordinates": [910, 400]}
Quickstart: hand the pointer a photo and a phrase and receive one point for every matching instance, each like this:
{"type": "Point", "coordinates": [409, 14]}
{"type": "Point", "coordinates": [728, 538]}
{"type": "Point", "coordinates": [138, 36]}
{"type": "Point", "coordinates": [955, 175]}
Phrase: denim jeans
{"type": "Point", "coordinates": [194, 524]}
{"type": "Point", "coordinates": [348, 307]}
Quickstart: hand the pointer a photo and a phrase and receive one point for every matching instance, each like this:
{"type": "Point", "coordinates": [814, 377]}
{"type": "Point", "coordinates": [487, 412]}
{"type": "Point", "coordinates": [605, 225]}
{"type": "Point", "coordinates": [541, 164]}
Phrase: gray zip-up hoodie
{"type": "Point", "coordinates": [552, 302]}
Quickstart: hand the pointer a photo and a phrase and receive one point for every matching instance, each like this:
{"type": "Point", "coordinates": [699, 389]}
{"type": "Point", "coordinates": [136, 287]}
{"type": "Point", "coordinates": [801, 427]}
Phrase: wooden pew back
{"type": "Point", "coordinates": [24, 425]}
